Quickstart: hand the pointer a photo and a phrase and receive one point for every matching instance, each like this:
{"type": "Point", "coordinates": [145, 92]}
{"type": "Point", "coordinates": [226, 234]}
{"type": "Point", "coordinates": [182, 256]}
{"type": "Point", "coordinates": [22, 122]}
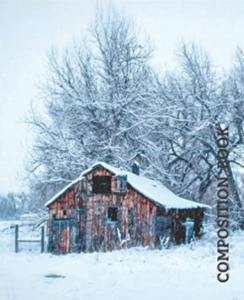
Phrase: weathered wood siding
{"type": "Point", "coordinates": [177, 232]}
{"type": "Point", "coordinates": [78, 219]}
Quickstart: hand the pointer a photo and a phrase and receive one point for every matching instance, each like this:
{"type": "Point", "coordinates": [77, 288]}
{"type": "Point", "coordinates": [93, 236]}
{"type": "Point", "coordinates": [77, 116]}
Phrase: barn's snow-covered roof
{"type": "Point", "coordinates": [147, 187]}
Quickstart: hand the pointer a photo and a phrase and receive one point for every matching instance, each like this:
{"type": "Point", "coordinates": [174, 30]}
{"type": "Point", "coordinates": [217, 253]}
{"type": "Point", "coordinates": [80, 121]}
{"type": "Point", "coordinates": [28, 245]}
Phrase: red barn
{"type": "Point", "coordinates": [106, 208]}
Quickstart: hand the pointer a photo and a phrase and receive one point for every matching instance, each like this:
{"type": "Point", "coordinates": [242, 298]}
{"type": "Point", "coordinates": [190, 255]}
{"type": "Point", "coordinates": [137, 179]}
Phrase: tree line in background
{"type": "Point", "coordinates": [13, 205]}
{"type": "Point", "coordinates": [104, 101]}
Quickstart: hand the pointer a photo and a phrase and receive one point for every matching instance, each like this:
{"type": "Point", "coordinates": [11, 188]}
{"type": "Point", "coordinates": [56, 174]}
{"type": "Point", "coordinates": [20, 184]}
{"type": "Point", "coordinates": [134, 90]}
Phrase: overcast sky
{"type": "Point", "coordinates": [28, 29]}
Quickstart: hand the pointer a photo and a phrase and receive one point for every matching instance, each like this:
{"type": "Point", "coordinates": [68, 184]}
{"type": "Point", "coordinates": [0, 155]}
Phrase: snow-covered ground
{"type": "Point", "coordinates": [139, 273]}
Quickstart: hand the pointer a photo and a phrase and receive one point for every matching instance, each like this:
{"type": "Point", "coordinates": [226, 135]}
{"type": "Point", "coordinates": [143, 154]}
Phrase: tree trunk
{"type": "Point", "coordinates": [236, 197]}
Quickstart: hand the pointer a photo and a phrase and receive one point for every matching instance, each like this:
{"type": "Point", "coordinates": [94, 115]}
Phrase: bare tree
{"type": "Point", "coordinates": [196, 100]}
{"type": "Point", "coordinates": [96, 96]}
{"type": "Point", "coordinates": [104, 102]}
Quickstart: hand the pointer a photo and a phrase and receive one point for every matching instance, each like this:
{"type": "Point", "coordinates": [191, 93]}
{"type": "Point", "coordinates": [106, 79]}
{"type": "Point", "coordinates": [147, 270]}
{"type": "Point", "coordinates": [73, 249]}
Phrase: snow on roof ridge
{"type": "Point", "coordinates": [152, 190]}
{"type": "Point", "coordinates": [103, 164]}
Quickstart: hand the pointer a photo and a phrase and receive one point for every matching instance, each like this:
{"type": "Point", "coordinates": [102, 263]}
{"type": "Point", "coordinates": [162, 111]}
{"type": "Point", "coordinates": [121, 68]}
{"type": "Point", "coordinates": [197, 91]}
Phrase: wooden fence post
{"type": "Point", "coordinates": [16, 238]}
{"type": "Point", "coordinates": [42, 239]}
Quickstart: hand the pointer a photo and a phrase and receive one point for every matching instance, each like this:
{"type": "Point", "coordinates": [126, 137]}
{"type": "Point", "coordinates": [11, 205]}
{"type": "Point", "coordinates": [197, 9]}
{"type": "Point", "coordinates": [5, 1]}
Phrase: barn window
{"type": "Point", "coordinates": [101, 184]}
{"type": "Point", "coordinates": [112, 214]}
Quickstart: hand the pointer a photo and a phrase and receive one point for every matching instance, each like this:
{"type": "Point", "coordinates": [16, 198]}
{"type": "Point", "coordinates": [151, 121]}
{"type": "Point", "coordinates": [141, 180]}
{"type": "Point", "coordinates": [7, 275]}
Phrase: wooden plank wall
{"type": "Point", "coordinates": [136, 216]}
{"type": "Point", "coordinates": [179, 216]}
{"type": "Point", "coordinates": [136, 225]}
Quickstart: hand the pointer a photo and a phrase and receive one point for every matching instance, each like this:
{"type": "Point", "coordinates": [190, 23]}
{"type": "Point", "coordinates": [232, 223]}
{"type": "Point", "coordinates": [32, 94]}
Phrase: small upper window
{"type": "Point", "coordinates": [101, 184]}
{"type": "Point", "coordinates": [113, 214]}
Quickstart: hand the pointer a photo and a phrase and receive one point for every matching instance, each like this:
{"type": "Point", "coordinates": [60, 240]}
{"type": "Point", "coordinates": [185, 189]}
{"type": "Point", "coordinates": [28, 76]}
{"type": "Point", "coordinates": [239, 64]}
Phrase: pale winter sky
{"type": "Point", "coordinates": [28, 29]}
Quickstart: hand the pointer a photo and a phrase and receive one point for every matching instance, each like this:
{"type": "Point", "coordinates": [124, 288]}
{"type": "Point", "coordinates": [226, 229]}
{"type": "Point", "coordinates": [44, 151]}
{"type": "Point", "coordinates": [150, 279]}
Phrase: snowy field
{"type": "Point", "coordinates": [178, 273]}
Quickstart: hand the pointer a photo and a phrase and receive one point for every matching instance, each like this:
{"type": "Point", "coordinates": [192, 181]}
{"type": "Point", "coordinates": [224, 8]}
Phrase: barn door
{"type": "Point", "coordinates": [163, 228]}
{"type": "Point", "coordinates": [64, 236]}
{"type": "Point", "coordinates": [112, 240]}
